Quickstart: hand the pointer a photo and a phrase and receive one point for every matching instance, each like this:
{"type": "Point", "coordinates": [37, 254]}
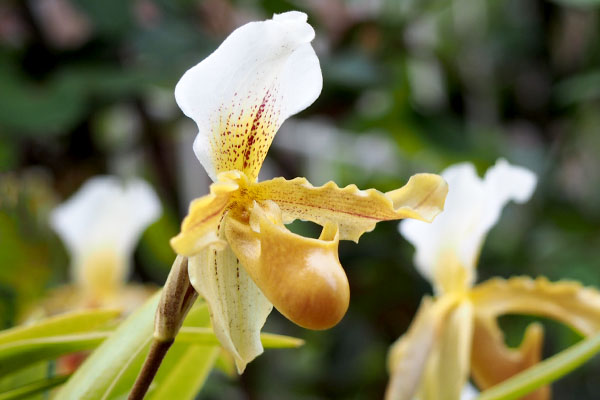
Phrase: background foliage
{"type": "Point", "coordinates": [409, 86]}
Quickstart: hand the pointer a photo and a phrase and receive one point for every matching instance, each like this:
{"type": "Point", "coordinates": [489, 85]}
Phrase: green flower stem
{"type": "Point", "coordinates": [545, 372]}
{"type": "Point", "coordinates": [177, 298]}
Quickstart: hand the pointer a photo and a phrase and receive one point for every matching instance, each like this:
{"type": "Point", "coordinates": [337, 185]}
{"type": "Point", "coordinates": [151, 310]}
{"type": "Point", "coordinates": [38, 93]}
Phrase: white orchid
{"type": "Point", "coordinates": [473, 207]}
{"type": "Point", "coordinates": [242, 259]}
{"type": "Point", "coordinates": [100, 226]}
{"type": "Point", "coordinates": [456, 334]}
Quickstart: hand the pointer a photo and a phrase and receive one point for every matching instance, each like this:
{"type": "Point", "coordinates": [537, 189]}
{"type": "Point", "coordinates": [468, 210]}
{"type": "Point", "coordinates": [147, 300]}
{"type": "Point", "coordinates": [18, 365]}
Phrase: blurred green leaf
{"type": "Point", "coordinates": [183, 372]}
{"type": "Point", "coordinates": [21, 353]}
{"type": "Point", "coordinates": [112, 369]}
{"type": "Point", "coordinates": [206, 336]}
{"type": "Point", "coordinates": [111, 18]}
{"type": "Point", "coordinates": [23, 377]}
{"type": "Point", "coordinates": [578, 88]}
{"type": "Point", "coordinates": [31, 389]}
{"type": "Point", "coordinates": [48, 108]}
{"type": "Point", "coordinates": [62, 99]}
{"type": "Point", "coordinates": [274, 341]}
{"type": "Point", "coordinates": [52, 337]}
{"type": "Point", "coordinates": [109, 367]}
{"type": "Point", "coordinates": [578, 3]}
{"type": "Point", "coordinates": [64, 324]}
{"type": "Point", "coordinates": [545, 372]}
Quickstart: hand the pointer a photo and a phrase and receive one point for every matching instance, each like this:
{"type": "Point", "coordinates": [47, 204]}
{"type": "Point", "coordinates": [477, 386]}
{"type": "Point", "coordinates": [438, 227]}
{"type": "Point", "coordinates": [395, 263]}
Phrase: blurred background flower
{"type": "Point", "coordinates": [86, 88]}
{"type": "Point", "coordinates": [100, 225]}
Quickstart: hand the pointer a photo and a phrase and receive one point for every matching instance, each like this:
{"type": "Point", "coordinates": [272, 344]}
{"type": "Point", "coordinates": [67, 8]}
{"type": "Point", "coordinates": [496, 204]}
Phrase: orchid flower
{"type": "Point", "coordinates": [456, 333]}
{"type": "Point", "coordinates": [100, 226]}
{"type": "Point", "coordinates": [242, 259]}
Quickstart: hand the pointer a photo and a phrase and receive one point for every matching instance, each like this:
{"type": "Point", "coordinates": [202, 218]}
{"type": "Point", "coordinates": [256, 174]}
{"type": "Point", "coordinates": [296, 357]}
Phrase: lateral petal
{"type": "Point", "coordinates": [354, 211]}
{"type": "Point", "coordinates": [200, 226]}
{"type": "Point", "coordinates": [302, 277]}
{"type": "Point", "coordinates": [238, 309]}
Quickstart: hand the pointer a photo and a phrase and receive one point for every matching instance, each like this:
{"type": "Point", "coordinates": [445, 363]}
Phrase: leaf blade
{"type": "Point", "coordinates": [74, 322]}
{"type": "Point", "coordinates": [100, 374]}
{"type": "Point", "coordinates": [19, 354]}
{"type": "Point", "coordinates": [33, 388]}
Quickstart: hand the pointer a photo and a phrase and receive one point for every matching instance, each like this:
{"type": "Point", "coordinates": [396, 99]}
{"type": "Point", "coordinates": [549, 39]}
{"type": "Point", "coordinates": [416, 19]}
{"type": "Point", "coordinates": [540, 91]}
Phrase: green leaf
{"type": "Point", "coordinates": [108, 369]}
{"type": "Point", "coordinates": [52, 337]}
{"type": "Point", "coordinates": [580, 88]}
{"type": "Point", "coordinates": [206, 336]}
{"type": "Point", "coordinates": [21, 353]}
{"type": "Point", "coordinates": [64, 324]}
{"type": "Point", "coordinates": [31, 389]}
{"type": "Point", "coordinates": [274, 341]}
{"type": "Point", "coordinates": [32, 373]}
{"type": "Point", "coordinates": [579, 3]}
{"type": "Point", "coordinates": [545, 372]}
{"type": "Point", "coordinates": [183, 372]}
{"type": "Point", "coordinates": [112, 369]}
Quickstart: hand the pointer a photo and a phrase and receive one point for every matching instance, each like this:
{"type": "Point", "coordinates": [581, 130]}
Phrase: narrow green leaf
{"type": "Point", "coordinates": [545, 372]}
{"type": "Point", "coordinates": [33, 388]}
{"type": "Point", "coordinates": [64, 324]}
{"type": "Point", "coordinates": [32, 373]}
{"type": "Point", "coordinates": [103, 372]}
{"type": "Point", "coordinates": [274, 341]}
{"type": "Point", "coordinates": [111, 370]}
{"type": "Point", "coordinates": [21, 353]}
{"type": "Point", "coordinates": [183, 372]}
{"type": "Point", "coordinates": [205, 336]}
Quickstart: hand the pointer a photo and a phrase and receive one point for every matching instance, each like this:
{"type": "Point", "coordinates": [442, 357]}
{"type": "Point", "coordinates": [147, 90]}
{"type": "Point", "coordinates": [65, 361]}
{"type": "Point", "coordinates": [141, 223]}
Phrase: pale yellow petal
{"type": "Point", "coordinates": [354, 211]}
{"type": "Point", "coordinates": [409, 355]}
{"type": "Point", "coordinates": [447, 369]}
{"type": "Point", "coordinates": [566, 302]}
{"type": "Point", "coordinates": [199, 228]}
{"type": "Point", "coordinates": [302, 277]}
{"type": "Point", "coordinates": [238, 309]}
{"type": "Point", "coordinates": [493, 362]}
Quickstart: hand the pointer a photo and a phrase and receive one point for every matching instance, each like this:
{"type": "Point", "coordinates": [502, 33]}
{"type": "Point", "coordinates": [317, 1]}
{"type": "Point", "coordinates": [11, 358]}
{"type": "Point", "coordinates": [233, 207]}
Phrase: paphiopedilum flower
{"type": "Point", "coordinates": [100, 226]}
{"type": "Point", "coordinates": [455, 334]}
{"type": "Point", "coordinates": [242, 259]}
